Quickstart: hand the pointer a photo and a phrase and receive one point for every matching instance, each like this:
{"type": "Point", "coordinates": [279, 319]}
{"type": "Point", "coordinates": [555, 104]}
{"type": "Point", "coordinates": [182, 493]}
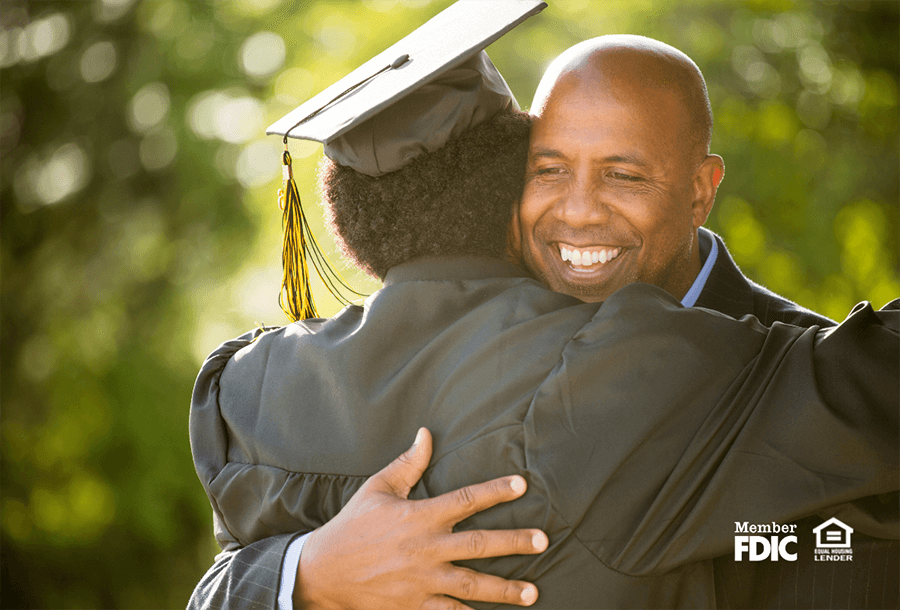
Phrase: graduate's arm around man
{"type": "Point", "coordinates": [383, 551]}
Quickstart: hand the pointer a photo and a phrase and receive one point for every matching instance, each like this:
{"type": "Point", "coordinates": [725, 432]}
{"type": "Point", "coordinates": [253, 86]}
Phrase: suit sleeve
{"type": "Point", "coordinates": [246, 578]}
{"type": "Point", "coordinates": [683, 422]}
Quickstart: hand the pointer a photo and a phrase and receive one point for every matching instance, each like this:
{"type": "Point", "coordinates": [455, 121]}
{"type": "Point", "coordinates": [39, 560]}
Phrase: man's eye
{"type": "Point", "coordinates": [625, 177]}
{"type": "Point", "coordinates": [547, 171]}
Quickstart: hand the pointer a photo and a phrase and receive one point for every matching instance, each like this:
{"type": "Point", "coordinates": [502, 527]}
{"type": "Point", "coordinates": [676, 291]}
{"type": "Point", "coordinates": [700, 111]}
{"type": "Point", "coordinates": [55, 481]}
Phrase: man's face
{"type": "Point", "coordinates": [608, 197]}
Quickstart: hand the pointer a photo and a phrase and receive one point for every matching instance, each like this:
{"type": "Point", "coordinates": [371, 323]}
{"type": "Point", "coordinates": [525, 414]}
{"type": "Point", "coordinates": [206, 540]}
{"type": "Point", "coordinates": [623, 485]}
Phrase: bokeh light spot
{"type": "Point", "coordinates": [704, 38]}
{"type": "Point", "coordinates": [50, 34]}
{"type": "Point", "coordinates": [201, 112]}
{"type": "Point", "coordinates": [745, 235]}
{"type": "Point", "coordinates": [92, 505]}
{"type": "Point", "coordinates": [777, 123]}
{"type": "Point", "coordinates": [237, 120]}
{"type": "Point", "coordinates": [107, 11]}
{"type": "Point", "coordinates": [66, 172]}
{"type": "Point", "coordinates": [98, 62]}
{"type": "Point", "coordinates": [744, 58]}
{"type": "Point", "coordinates": [837, 297]}
{"type": "Point", "coordinates": [262, 54]}
{"type": "Point", "coordinates": [815, 67]}
{"type": "Point", "coordinates": [769, 35]}
{"type": "Point", "coordinates": [256, 291]}
{"type": "Point", "coordinates": [885, 290]}
{"type": "Point", "coordinates": [9, 46]}
{"type": "Point", "coordinates": [847, 85]}
{"type": "Point", "coordinates": [166, 18]}
{"type": "Point", "coordinates": [259, 162]}
{"type": "Point", "coordinates": [209, 332]}
{"type": "Point", "coordinates": [861, 231]}
{"type": "Point", "coordinates": [149, 107]}
{"type": "Point", "coordinates": [780, 272]}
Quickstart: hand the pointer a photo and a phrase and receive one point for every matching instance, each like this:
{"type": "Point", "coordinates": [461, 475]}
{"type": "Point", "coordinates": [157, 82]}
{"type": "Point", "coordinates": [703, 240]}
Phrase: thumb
{"type": "Point", "coordinates": [399, 476]}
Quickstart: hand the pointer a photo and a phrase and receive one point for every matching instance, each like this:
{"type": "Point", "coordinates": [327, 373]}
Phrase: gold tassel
{"type": "Point", "coordinates": [296, 298]}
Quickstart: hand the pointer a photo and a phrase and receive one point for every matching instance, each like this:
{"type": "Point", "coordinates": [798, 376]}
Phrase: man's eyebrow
{"type": "Point", "coordinates": [545, 153]}
{"type": "Point", "coordinates": [629, 159]}
{"type": "Point", "coordinates": [553, 153]}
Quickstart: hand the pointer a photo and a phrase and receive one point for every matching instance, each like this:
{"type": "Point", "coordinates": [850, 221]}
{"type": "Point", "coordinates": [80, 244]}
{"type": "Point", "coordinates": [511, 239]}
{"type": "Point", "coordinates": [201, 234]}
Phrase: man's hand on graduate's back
{"type": "Point", "coordinates": [383, 551]}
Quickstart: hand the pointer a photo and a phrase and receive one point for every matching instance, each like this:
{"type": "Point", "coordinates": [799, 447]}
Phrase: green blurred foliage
{"type": "Point", "coordinates": [140, 227]}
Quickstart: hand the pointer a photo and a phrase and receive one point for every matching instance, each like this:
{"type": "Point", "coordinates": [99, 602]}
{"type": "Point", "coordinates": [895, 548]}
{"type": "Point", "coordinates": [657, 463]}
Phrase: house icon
{"type": "Point", "coordinates": [833, 534]}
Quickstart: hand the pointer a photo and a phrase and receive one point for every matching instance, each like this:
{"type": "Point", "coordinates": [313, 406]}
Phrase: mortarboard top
{"type": "Point", "coordinates": [446, 41]}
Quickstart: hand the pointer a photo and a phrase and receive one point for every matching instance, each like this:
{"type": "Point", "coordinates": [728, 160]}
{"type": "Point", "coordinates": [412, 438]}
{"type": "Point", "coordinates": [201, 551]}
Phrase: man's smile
{"type": "Point", "coordinates": [592, 265]}
{"type": "Point", "coordinates": [587, 256]}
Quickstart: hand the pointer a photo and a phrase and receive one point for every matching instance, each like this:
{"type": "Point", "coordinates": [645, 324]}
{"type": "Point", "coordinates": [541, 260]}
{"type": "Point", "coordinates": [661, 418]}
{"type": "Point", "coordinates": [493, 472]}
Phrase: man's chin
{"type": "Point", "coordinates": [589, 293]}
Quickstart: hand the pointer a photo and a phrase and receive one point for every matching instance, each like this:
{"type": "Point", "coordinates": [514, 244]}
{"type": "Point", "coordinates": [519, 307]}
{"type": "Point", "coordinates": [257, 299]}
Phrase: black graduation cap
{"type": "Point", "coordinates": [408, 100]}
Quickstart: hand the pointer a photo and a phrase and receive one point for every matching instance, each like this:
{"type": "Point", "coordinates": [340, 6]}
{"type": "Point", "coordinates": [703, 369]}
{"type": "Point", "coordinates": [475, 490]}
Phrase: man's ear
{"type": "Point", "coordinates": [514, 238]}
{"type": "Point", "coordinates": [706, 181]}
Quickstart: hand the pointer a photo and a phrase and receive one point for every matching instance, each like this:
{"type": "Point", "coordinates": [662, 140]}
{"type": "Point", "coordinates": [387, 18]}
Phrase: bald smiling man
{"type": "Point", "coordinates": [620, 171]}
{"type": "Point", "coordinates": [619, 182]}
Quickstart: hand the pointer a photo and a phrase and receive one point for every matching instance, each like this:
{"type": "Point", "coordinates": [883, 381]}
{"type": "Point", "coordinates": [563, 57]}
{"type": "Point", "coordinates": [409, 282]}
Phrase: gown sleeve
{"type": "Point", "coordinates": [242, 576]}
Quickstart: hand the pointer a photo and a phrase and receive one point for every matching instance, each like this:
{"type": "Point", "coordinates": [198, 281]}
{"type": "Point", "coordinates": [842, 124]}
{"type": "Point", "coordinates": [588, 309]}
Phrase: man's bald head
{"type": "Point", "coordinates": [635, 63]}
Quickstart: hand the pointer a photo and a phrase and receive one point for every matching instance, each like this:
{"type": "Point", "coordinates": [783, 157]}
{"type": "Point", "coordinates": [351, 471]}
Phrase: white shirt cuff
{"type": "Point", "coordinates": [289, 567]}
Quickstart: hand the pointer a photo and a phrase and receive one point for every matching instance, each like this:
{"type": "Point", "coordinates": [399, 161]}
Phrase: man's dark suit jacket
{"type": "Point", "coordinates": [872, 579]}
{"type": "Point", "coordinates": [645, 429]}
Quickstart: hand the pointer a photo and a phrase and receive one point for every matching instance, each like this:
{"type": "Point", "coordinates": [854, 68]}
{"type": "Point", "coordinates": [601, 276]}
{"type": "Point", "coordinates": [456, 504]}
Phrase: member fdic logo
{"type": "Point", "coordinates": [777, 542]}
{"type": "Point", "coordinates": [773, 546]}
{"type": "Point", "coordinates": [833, 541]}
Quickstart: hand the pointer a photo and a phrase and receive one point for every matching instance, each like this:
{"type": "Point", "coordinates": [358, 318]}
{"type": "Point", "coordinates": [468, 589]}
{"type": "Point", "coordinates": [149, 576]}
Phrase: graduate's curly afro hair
{"type": "Point", "coordinates": [457, 200]}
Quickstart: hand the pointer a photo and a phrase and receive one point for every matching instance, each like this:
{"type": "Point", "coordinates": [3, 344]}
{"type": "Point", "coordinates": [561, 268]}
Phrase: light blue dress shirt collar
{"type": "Point", "coordinates": [697, 287]}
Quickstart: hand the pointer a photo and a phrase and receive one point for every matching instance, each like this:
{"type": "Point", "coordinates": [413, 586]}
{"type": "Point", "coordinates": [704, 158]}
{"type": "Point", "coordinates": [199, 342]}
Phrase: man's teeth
{"type": "Point", "coordinates": [588, 256]}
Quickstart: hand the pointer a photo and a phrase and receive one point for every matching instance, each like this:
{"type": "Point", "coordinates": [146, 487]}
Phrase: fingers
{"type": "Point", "coordinates": [466, 584]}
{"type": "Point", "coordinates": [439, 602]}
{"type": "Point", "coordinates": [479, 544]}
{"type": "Point", "coordinates": [399, 476]}
{"type": "Point", "coordinates": [454, 506]}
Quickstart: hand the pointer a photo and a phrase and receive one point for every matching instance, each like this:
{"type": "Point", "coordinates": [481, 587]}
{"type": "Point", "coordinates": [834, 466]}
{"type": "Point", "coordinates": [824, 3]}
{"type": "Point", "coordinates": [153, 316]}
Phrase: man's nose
{"type": "Point", "coordinates": [582, 205]}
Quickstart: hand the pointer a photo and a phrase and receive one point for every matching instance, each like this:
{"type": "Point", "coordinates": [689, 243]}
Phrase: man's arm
{"type": "Point", "coordinates": [383, 551]}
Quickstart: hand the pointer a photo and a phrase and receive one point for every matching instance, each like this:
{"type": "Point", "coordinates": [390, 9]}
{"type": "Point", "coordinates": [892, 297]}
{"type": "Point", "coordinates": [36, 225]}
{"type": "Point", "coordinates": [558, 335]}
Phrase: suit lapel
{"type": "Point", "coordinates": [726, 290]}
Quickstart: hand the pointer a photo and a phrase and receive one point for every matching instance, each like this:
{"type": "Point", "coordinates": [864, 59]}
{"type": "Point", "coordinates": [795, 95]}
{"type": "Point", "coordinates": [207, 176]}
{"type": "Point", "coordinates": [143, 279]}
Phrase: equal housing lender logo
{"type": "Point", "coordinates": [833, 541]}
{"type": "Point", "coordinates": [776, 541]}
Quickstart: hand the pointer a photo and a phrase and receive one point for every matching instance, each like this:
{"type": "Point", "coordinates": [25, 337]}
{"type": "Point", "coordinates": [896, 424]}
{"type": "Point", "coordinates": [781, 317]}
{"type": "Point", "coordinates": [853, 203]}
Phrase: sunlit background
{"type": "Point", "coordinates": [140, 226]}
